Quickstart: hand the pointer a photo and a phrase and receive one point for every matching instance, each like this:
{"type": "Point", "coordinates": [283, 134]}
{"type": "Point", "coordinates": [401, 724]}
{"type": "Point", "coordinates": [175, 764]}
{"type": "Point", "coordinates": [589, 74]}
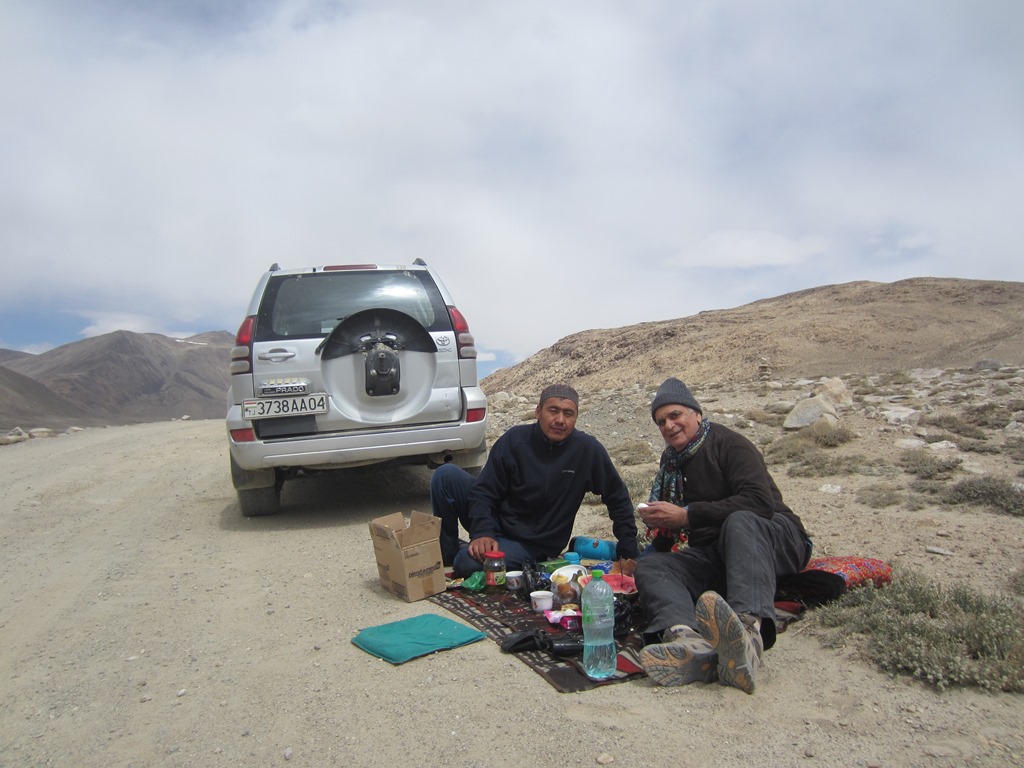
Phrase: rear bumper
{"type": "Point", "coordinates": [462, 443]}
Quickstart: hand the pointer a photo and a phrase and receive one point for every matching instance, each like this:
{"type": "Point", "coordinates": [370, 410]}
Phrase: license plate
{"type": "Point", "coordinates": [270, 408]}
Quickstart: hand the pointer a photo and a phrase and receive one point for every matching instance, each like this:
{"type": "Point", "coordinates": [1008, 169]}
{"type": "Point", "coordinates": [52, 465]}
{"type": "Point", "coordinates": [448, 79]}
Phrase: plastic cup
{"type": "Point", "coordinates": [513, 580]}
{"type": "Point", "coordinates": [541, 600]}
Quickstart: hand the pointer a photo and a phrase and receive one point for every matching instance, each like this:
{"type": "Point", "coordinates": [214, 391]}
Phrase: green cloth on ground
{"type": "Point", "coordinates": [400, 641]}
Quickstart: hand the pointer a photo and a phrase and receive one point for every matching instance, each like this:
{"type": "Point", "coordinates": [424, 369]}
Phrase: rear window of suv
{"type": "Point", "coordinates": [312, 304]}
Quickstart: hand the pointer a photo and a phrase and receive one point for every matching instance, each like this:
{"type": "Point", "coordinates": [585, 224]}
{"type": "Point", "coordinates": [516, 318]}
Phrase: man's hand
{"type": "Point", "coordinates": [661, 514]}
{"type": "Point", "coordinates": [479, 547]}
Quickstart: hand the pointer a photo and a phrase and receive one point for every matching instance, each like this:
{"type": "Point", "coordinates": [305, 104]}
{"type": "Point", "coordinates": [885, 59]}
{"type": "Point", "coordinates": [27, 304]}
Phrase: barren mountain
{"type": "Point", "coordinates": [23, 401]}
{"type": "Point", "coordinates": [9, 355]}
{"type": "Point", "coordinates": [120, 378]}
{"type": "Point", "coordinates": [860, 327]}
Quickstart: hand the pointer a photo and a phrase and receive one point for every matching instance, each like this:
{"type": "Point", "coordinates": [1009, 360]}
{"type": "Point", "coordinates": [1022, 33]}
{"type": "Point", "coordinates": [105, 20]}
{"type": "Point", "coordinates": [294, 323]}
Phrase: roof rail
{"type": "Point", "coordinates": [420, 262]}
{"type": "Point", "coordinates": [274, 267]}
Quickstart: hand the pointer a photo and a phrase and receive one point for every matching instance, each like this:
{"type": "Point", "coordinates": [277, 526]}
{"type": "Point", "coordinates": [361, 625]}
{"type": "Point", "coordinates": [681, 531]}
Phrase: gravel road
{"type": "Point", "coordinates": [144, 622]}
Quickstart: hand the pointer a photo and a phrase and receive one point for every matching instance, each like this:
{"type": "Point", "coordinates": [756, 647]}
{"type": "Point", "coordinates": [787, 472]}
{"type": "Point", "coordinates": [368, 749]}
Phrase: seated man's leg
{"type": "Point", "coordinates": [668, 584]}
{"type": "Point", "coordinates": [449, 498]}
{"type": "Point", "coordinates": [756, 551]}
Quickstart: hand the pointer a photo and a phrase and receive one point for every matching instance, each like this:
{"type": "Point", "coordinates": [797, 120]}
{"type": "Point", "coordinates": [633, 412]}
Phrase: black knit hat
{"type": "Point", "coordinates": [559, 390]}
{"type": "Point", "coordinates": [673, 390]}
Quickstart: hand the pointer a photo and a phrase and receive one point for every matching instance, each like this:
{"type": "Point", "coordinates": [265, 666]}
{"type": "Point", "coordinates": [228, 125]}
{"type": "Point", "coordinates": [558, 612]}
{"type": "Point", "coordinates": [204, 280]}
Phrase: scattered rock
{"type": "Point", "coordinates": [899, 415]}
{"type": "Point", "coordinates": [810, 410]}
{"type": "Point", "coordinates": [835, 389]}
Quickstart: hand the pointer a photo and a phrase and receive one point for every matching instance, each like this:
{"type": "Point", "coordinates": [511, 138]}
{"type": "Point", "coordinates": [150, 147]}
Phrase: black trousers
{"type": "Point", "coordinates": [751, 553]}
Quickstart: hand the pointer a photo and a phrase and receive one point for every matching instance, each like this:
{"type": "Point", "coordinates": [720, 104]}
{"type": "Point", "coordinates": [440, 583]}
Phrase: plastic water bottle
{"type": "Point", "coordinates": [598, 628]}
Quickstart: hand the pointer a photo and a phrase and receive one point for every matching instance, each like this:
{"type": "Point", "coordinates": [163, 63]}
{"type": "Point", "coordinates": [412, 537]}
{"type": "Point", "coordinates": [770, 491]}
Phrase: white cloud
{"type": "Point", "coordinates": [564, 165]}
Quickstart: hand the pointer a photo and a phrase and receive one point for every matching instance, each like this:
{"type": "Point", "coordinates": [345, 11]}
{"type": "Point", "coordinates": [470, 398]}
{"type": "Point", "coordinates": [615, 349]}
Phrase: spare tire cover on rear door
{"type": "Point", "coordinates": [344, 369]}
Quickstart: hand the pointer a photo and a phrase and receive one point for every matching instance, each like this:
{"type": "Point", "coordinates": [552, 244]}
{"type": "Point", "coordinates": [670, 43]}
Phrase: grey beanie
{"type": "Point", "coordinates": [673, 390]}
{"type": "Point", "coordinates": [563, 391]}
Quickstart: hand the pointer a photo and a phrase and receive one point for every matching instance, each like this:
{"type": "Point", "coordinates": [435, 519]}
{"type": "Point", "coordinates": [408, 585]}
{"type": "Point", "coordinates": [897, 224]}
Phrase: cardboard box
{"type": "Point", "coordinates": [409, 554]}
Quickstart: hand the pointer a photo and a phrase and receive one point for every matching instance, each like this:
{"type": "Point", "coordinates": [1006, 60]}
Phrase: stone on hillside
{"type": "Point", "coordinates": [986, 365]}
{"type": "Point", "coordinates": [835, 389]}
{"type": "Point", "coordinates": [910, 443]}
{"type": "Point", "coordinates": [41, 432]}
{"type": "Point", "coordinates": [780, 406]}
{"type": "Point", "coordinates": [810, 410]}
{"type": "Point", "coordinates": [16, 435]}
{"type": "Point", "coordinates": [898, 415]}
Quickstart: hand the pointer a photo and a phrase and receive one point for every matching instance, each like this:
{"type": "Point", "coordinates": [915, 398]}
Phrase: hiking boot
{"type": "Point", "coordinates": [685, 658]}
{"type": "Point", "coordinates": [737, 642]}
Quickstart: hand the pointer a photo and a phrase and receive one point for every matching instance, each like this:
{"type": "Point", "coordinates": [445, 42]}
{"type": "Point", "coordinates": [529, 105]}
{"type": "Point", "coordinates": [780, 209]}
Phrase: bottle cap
{"type": "Point", "coordinates": [597, 574]}
{"type": "Point", "coordinates": [494, 553]}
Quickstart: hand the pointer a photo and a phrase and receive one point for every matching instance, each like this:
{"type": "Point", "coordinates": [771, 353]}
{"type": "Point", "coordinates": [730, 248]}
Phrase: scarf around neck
{"type": "Point", "coordinates": [668, 482]}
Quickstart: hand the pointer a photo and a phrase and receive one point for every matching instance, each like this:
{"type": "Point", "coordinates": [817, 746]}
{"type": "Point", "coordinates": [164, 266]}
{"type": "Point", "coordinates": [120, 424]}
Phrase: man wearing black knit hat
{"type": "Point", "coordinates": [525, 501]}
{"type": "Point", "coordinates": [712, 602]}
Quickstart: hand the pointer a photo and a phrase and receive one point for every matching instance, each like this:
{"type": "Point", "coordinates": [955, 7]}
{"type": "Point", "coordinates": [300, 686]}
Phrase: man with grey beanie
{"type": "Point", "coordinates": [525, 501]}
{"type": "Point", "coordinates": [711, 603]}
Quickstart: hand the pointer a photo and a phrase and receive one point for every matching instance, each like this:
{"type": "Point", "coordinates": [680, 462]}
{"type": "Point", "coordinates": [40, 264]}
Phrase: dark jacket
{"type": "Point", "coordinates": [530, 491]}
{"type": "Point", "coordinates": [727, 474]}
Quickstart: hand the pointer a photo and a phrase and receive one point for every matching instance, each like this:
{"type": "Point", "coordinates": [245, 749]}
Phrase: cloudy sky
{"type": "Point", "coordinates": [564, 165]}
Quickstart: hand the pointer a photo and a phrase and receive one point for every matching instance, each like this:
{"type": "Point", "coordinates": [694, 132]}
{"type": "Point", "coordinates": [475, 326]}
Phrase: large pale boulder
{"type": "Point", "coordinates": [836, 390]}
{"type": "Point", "coordinates": [810, 410]}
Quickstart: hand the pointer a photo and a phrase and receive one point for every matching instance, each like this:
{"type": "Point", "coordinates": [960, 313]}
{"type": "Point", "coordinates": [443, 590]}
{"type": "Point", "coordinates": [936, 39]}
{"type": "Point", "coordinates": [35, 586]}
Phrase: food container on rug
{"type": "Point", "coordinates": [408, 554]}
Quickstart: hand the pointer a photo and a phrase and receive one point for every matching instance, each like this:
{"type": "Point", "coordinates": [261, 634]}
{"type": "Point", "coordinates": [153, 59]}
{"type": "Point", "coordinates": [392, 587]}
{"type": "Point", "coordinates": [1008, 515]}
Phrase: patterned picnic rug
{"type": "Point", "coordinates": [500, 615]}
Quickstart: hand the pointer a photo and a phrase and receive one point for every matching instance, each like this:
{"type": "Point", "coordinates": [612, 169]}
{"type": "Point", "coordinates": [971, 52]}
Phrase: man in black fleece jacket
{"type": "Point", "coordinates": [713, 601]}
{"type": "Point", "coordinates": [525, 501]}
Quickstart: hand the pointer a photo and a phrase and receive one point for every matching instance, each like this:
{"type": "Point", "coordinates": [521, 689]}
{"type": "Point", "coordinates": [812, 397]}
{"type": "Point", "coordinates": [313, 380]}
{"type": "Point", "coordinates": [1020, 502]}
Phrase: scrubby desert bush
{"type": "Point", "coordinates": [958, 425]}
{"type": "Point", "coordinates": [945, 637]}
{"type": "Point", "coordinates": [761, 416]}
{"type": "Point", "coordinates": [638, 481]}
{"type": "Point", "coordinates": [633, 452]}
{"type": "Point", "coordinates": [1015, 583]}
{"type": "Point", "coordinates": [927, 464]}
{"type": "Point", "coordinates": [995, 492]}
{"type": "Point", "coordinates": [881, 495]}
{"type": "Point", "coordinates": [829, 435]}
{"type": "Point", "coordinates": [798, 445]}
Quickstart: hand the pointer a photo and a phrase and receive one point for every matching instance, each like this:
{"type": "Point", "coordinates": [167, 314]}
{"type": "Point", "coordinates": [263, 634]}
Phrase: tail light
{"type": "Point", "coordinates": [464, 339]}
{"type": "Point", "coordinates": [476, 414]}
{"type": "Point", "coordinates": [241, 353]}
{"type": "Point", "coordinates": [246, 435]}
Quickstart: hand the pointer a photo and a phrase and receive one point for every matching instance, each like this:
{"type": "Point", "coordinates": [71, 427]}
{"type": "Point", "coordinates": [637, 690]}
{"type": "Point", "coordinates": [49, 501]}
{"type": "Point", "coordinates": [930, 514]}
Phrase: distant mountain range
{"type": "Point", "coordinates": [861, 327]}
{"type": "Point", "coordinates": [118, 378]}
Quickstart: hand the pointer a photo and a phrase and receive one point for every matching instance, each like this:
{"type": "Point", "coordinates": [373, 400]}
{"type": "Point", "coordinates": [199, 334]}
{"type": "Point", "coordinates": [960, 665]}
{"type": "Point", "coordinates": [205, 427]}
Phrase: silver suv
{"type": "Point", "coordinates": [348, 365]}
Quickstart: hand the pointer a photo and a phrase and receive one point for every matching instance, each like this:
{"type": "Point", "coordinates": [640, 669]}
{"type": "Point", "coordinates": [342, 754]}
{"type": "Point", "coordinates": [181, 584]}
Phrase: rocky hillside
{"type": "Point", "coordinates": [860, 327]}
{"type": "Point", "coordinates": [837, 330]}
{"type": "Point", "coordinates": [117, 378]}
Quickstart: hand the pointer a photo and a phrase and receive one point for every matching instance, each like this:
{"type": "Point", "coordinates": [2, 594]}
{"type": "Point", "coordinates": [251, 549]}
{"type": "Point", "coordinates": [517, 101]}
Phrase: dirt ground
{"type": "Point", "coordinates": [144, 622]}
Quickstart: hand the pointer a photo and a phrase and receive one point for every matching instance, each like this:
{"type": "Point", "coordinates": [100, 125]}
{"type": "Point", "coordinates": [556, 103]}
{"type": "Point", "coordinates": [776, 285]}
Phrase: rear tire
{"type": "Point", "coordinates": [259, 491]}
{"type": "Point", "coordinates": [256, 502]}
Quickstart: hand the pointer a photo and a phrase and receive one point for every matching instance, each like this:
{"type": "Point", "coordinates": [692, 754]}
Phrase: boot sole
{"type": "Point", "coordinates": [719, 624]}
